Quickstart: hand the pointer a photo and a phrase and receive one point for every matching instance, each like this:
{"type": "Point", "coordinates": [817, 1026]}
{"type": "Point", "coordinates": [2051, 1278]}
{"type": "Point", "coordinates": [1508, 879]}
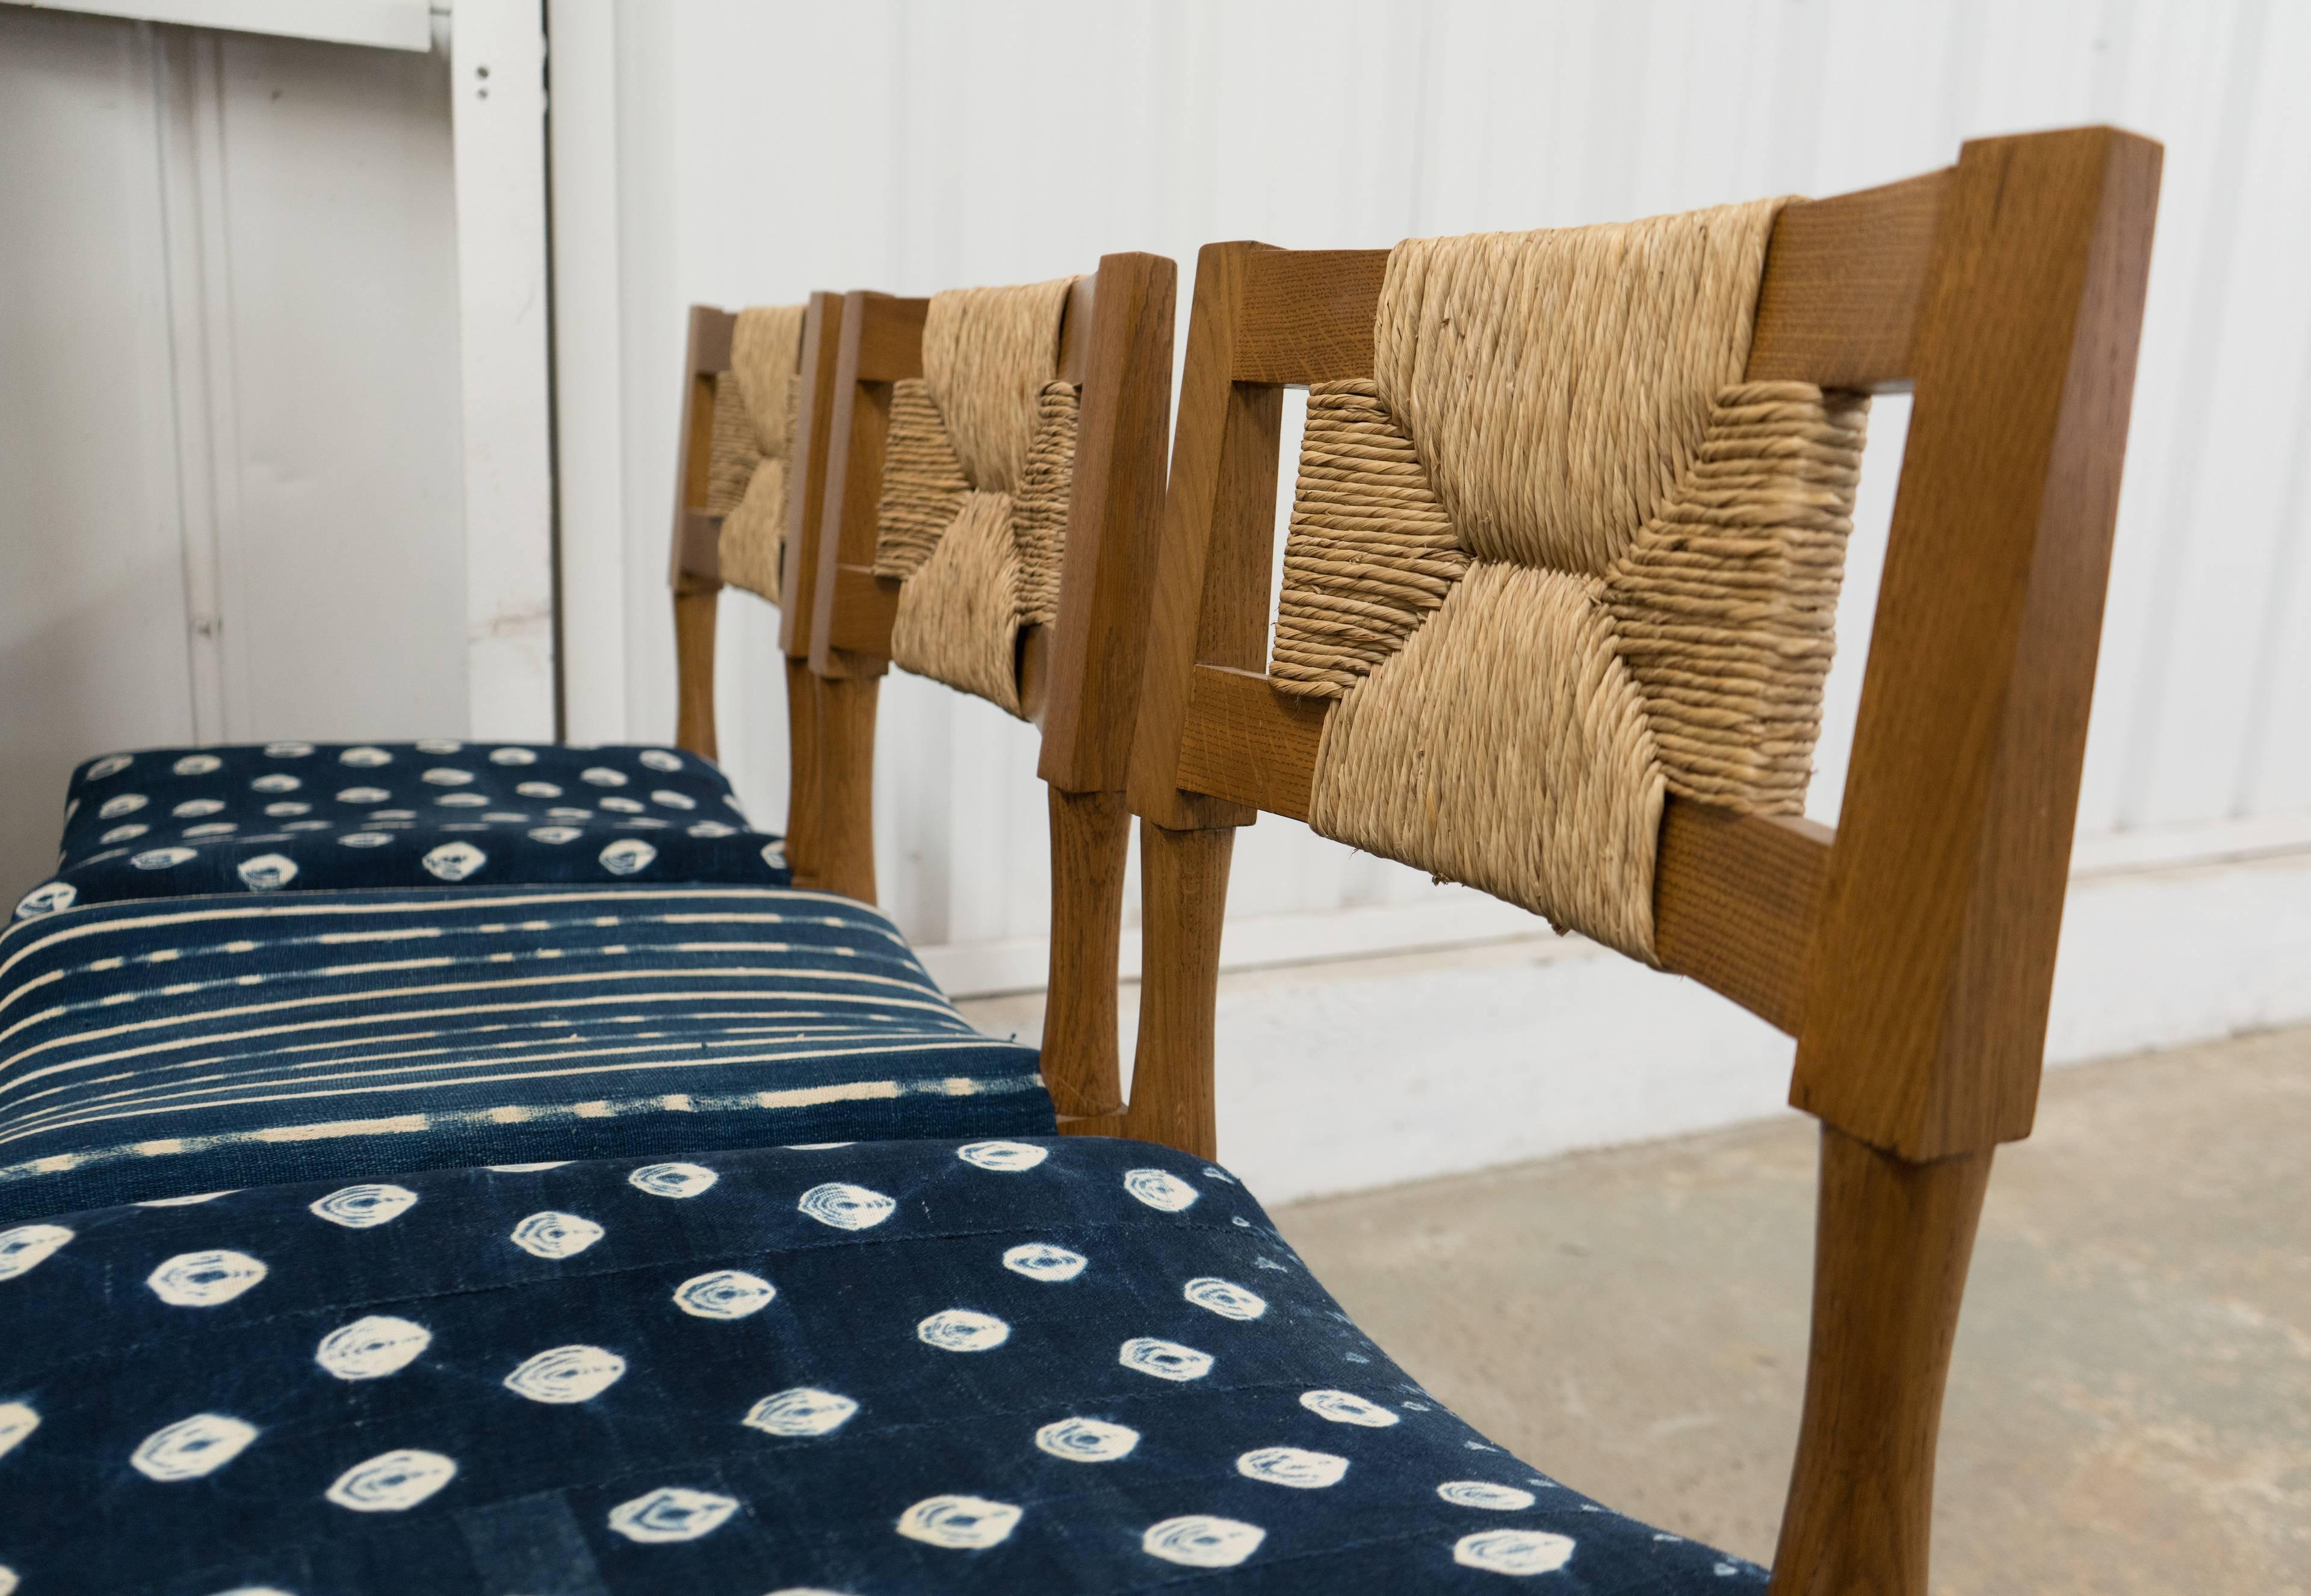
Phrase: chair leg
{"type": "Point", "coordinates": [1891, 1246]}
{"type": "Point", "coordinates": [846, 766]}
{"type": "Point", "coordinates": [805, 801]}
{"type": "Point", "coordinates": [1183, 881]}
{"type": "Point", "coordinates": [693, 669]}
{"type": "Point", "coordinates": [1091, 835]}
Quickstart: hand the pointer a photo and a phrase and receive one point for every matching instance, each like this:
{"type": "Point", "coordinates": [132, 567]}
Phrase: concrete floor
{"type": "Point", "coordinates": [2130, 1403]}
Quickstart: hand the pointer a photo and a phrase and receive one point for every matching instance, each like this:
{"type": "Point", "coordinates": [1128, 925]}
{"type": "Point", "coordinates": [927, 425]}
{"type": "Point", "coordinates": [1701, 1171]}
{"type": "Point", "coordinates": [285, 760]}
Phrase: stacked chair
{"type": "Point", "coordinates": [752, 467]}
{"type": "Point", "coordinates": [456, 1240]}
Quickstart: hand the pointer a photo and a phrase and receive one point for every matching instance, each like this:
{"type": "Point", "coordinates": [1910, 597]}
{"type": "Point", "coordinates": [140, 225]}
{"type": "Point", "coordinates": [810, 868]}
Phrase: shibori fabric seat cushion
{"type": "Point", "coordinates": [1001, 1366]}
{"type": "Point", "coordinates": [169, 821]}
{"type": "Point", "coordinates": [157, 1048]}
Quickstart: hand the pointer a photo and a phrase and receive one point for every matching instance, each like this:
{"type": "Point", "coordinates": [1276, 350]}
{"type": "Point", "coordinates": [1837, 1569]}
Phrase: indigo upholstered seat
{"type": "Point", "coordinates": [922, 1366]}
{"type": "Point", "coordinates": [158, 1048]}
{"type": "Point", "coordinates": [166, 823]}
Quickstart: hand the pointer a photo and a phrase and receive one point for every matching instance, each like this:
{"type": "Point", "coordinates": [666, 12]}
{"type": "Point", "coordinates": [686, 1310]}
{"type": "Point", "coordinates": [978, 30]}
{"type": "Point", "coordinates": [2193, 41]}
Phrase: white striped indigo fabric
{"type": "Point", "coordinates": [153, 1049]}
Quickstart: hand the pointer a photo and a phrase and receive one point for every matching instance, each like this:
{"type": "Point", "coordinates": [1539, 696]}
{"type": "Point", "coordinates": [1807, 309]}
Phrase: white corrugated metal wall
{"type": "Point", "coordinates": [765, 150]}
{"type": "Point", "coordinates": [247, 313]}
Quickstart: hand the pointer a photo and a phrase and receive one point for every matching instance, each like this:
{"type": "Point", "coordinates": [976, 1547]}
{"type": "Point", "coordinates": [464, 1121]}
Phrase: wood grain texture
{"type": "Point", "coordinates": [890, 340]}
{"type": "Point", "coordinates": [1844, 280]}
{"type": "Point", "coordinates": [1934, 959]}
{"type": "Point", "coordinates": [1099, 643]}
{"type": "Point", "coordinates": [806, 478]}
{"type": "Point", "coordinates": [865, 608]}
{"type": "Point", "coordinates": [698, 551]}
{"type": "Point", "coordinates": [861, 611]}
{"type": "Point", "coordinates": [1306, 315]}
{"type": "Point", "coordinates": [846, 785]}
{"type": "Point", "coordinates": [1091, 833]}
{"type": "Point", "coordinates": [882, 343]}
{"type": "Point", "coordinates": [706, 353]}
{"type": "Point", "coordinates": [697, 461]}
{"type": "Point", "coordinates": [1891, 1246]}
{"type": "Point", "coordinates": [804, 799]}
{"type": "Point", "coordinates": [1735, 899]}
{"type": "Point", "coordinates": [1242, 739]}
{"type": "Point", "coordinates": [693, 669]}
{"type": "Point", "coordinates": [1735, 896]}
{"type": "Point", "coordinates": [1183, 897]}
{"type": "Point", "coordinates": [1075, 324]}
{"type": "Point", "coordinates": [1209, 598]}
{"type": "Point", "coordinates": [694, 566]}
{"type": "Point", "coordinates": [805, 498]}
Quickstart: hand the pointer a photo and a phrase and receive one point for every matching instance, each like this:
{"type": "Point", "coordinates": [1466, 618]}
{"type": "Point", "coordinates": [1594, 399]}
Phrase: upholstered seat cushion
{"type": "Point", "coordinates": [169, 821]}
{"type": "Point", "coordinates": [159, 1048]}
{"type": "Point", "coordinates": [1002, 1366]}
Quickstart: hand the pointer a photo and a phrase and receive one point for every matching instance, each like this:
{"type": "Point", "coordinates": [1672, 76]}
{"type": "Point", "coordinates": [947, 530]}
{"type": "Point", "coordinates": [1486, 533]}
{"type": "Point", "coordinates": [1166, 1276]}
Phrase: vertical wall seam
{"type": "Point", "coordinates": [157, 61]}
{"type": "Point", "coordinates": [557, 634]}
{"type": "Point", "coordinates": [2262, 685]}
{"type": "Point", "coordinates": [2186, 446]}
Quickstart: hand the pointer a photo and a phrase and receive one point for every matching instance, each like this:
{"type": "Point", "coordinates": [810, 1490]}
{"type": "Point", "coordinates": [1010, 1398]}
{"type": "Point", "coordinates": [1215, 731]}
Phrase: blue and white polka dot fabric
{"type": "Point", "coordinates": [305, 816]}
{"type": "Point", "coordinates": [867, 1369]}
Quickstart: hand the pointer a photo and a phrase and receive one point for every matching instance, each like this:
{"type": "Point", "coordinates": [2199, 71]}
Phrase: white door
{"type": "Point", "coordinates": [233, 449]}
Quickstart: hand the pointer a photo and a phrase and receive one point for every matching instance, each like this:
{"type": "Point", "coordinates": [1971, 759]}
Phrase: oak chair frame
{"type": "Point", "coordinates": [695, 573]}
{"type": "Point", "coordinates": [1910, 952]}
{"type": "Point", "coordinates": [1079, 677]}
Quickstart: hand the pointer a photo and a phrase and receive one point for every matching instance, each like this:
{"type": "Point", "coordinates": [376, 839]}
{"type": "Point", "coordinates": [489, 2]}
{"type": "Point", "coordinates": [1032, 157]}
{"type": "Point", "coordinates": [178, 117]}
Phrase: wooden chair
{"type": "Point", "coordinates": [1076, 678]}
{"type": "Point", "coordinates": [1910, 952]}
{"type": "Point", "coordinates": [710, 413]}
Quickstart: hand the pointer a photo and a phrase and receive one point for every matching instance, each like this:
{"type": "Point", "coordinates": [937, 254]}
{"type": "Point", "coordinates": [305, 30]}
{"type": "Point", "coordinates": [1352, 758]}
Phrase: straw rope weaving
{"type": "Point", "coordinates": [755, 402]}
{"type": "Point", "coordinates": [1555, 560]}
{"type": "Point", "coordinates": [977, 467]}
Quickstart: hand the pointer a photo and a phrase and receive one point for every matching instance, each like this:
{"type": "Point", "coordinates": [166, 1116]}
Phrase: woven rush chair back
{"type": "Point", "coordinates": [995, 476]}
{"type": "Point", "coordinates": [1559, 583]}
{"type": "Point", "coordinates": [751, 480]}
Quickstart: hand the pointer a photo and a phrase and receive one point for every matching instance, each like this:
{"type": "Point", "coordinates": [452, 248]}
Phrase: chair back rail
{"type": "Point", "coordinates": [1911, 952]}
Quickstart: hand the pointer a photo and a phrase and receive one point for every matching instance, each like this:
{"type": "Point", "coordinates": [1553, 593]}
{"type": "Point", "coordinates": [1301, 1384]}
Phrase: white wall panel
{"type": "Point", "coordinates": [503, 309]}
{"type": "Point", "coordinates": [2241, 426]}
{"type": "Point", "coordinates": [92, 602]}
{"type": "Point", "coordinates": [589, 416]}
{"type": "Point", "coordinates": [913, 146]}
{"type": "Point", "coordinates": [2174, 61]}
{"type": "Point", "coordinates": [338, 311]}
{"type": "Point", "coordinates": [229, 407]}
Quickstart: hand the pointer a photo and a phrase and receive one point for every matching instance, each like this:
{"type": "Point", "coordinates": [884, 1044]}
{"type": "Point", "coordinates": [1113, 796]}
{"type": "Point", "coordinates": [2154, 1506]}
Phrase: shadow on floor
{"type": "Point", "coordinates": [2130, 1402]}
